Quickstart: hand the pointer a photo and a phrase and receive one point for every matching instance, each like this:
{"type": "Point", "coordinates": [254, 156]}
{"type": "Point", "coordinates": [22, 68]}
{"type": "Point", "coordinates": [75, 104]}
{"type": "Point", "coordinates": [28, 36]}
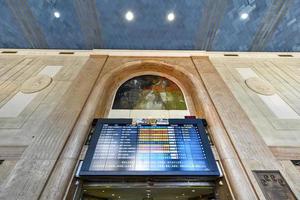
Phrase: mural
{"type": "Point", "coordinates": [149, 92]}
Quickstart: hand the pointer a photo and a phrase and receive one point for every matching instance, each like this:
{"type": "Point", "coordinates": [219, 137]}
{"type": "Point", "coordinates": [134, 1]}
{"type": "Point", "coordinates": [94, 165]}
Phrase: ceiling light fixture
{"type": "Point", "coordinates": [244, 16]}
{"type": "Point", "coordinates": [129, 16]}
{"type": "Point", "coordinates": [171, 16]}
{"type": "Point", "coordinates": [56, 14]}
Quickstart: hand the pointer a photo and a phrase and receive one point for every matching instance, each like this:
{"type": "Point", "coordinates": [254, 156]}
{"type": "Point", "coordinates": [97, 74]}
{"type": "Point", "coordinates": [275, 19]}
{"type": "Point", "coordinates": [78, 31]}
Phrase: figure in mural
{"type": "Point", "coordinates": [149, 92]}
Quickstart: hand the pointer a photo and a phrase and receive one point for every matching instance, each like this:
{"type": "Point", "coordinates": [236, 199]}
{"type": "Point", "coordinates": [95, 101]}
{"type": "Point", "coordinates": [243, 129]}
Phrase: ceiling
{"type": "Point", "coordinates": [212, 25]}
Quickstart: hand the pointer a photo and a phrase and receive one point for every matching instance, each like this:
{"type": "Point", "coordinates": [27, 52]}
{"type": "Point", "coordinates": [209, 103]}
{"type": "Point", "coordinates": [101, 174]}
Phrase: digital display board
{"type": "Point", "coordinates": [119, 147]}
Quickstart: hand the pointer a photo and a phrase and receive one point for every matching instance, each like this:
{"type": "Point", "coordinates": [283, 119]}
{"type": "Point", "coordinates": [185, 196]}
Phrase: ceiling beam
{"type": "Point", "coordinates": [28, 23]}
{"type": "Point", "coordinates": [276, 11]}
{"type": "Point", "coordinates": [88, 19]}
{"type": "Point", "coordinates": [211, 18]}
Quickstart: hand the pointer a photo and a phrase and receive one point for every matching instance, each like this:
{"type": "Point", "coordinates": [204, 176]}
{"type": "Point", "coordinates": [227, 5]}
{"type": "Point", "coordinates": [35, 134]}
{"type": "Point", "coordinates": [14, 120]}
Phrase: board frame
{"type": "Point", "coordinates": [211, 162]}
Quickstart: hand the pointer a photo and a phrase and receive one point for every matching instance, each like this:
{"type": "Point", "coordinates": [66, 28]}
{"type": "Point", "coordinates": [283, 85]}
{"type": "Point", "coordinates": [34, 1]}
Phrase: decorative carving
{"type": "Point", "coordinates": [273, 185]}
{"type": "Point", "coordinates": [260, 86]}
{"type": "Point", "coordinates": [36, 83]}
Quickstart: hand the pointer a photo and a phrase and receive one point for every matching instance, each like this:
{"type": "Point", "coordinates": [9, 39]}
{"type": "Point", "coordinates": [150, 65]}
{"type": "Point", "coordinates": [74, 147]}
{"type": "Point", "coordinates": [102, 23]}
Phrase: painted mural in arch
{"type": "Point", "coordinates": [149, 92]}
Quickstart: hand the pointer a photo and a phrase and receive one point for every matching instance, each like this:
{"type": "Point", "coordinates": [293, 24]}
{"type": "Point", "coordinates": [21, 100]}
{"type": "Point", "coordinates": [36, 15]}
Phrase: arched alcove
{"type": "Point", "coordinates": [112, 79]}
{"type": "Point", "coordinates": [189, 79]}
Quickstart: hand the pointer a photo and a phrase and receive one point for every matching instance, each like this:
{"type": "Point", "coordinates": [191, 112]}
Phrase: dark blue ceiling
{"type": "Point", "coordinates": [213, 25]}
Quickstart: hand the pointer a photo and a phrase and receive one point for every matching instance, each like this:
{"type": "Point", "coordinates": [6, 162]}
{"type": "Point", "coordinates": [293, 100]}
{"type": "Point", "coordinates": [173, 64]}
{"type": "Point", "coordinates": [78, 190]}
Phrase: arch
{"type": "Point", "coordinates": [197, 97]}
{"type": "Point", "coordinates": [113, 78]}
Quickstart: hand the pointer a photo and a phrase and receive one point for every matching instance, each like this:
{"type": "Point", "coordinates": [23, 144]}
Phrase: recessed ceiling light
{"type": "Point", "coordinates": [171, 16]}
{"type": "Point", "coordinates": [129, 16]}
{"type": "Point", "coordinates": [56, 14]}
{"type": "Point", "coordinates": [244, 16]}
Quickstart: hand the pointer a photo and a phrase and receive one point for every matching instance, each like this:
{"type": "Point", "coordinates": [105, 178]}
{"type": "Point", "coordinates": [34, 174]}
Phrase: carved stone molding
{"type": "Point", "coordinates": [35, 84]}
{"type": "Point", "coordinates": [260, 86]}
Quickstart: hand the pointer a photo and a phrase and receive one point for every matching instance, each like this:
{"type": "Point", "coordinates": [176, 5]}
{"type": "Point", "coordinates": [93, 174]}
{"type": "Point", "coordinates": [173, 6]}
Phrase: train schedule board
{"type": "Point", "coordinates": [119, 147]}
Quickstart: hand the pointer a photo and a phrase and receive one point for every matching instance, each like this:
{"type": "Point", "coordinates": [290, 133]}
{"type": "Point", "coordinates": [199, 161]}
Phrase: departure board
{"type": "Point", "coordinates": [175, 148]}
